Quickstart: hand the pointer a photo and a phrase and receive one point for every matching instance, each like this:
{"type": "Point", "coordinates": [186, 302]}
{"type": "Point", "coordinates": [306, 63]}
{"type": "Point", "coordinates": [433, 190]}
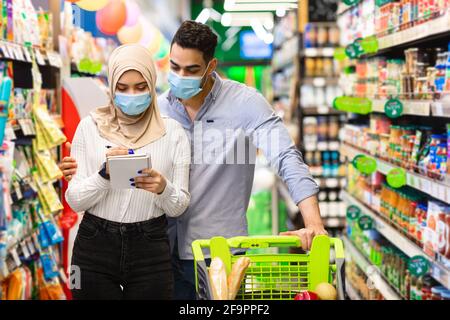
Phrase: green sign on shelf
{"type": "Point", "coordinates": [351, 2]}
{"type": "Point", "coordinates": [418, 266]}
{"type": "Point", "coordinates": [365, 222]}
{"type": "Point", "coordinates": [339, 54]}
{"type": "Point", "coordinates": [364, 164]}
{"type": "Point", "coordinates": [369, 44]}
{"type": "Point", "coordinates": [353, 212]}
{"type": "Point", "coordinates": [393, 108]}
{"type": "Point", "coordinates": [396, 177]}
{"type": "Point", "coordinates": [353, 104]}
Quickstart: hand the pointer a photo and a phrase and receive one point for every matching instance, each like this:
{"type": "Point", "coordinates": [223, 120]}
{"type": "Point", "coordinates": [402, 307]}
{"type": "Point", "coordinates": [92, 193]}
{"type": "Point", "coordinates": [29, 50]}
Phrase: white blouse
{"type": "Point", "coordinates": [88, 191]}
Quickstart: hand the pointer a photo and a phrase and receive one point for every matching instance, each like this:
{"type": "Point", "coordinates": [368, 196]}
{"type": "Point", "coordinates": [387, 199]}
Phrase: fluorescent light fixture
{"type": "Point", "coordinates": [203, 16]}
{"type": "Point", "coordinates": [261, 32]}
{"type": "Point", "coordinates": [243, 19]}
{"type": "Point", "coordinates": [229, 43]}
{"type": "Point", "coordinates": [215, 15]}
{"type": "Point", "coordinates": [232, 5]}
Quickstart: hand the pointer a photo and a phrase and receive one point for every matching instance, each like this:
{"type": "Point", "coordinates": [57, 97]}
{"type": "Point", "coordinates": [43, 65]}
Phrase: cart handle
{"type": "Point", "coordinates": [338, 247]}
{"type": "Point", "coordinates": [254, 242]}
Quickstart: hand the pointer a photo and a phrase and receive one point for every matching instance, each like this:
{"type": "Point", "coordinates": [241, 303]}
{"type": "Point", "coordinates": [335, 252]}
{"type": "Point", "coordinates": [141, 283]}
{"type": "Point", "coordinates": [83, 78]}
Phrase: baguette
{"type": "Point", "coordinates": [218, 279]}
{"type": "Point", "coordinates": [236, 276]}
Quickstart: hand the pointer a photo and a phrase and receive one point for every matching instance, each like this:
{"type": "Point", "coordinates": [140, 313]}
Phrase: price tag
{"type": "Point", "coordinates": [418, 266]}
{"type": "Point", "coordinates": [435, 190]}
{"type": "Point", "coordinates": [39, 57]}
{"type": "Point", "coordinates": [27, 55]}
{"type": "Point", "coordinates": [5, 50]}
{"type": "Point", "coordinates": [448, 194]}
{"type": "Point", "coordinates": [311, 52]}
{"type": "Point", "coordinates": [15, 257]}
{"type": "Point", "coordinates": [328, 52]}
{"type": "Point", "coordinates": [425, 185]}
{"type": "Point", "coordinates": [54, 59]}
{"type": "Point", "coordinates": [25, 250]}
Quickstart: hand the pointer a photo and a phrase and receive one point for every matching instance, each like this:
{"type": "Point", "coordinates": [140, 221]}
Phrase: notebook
{"type": "Point", "coordinates": [123, 168]}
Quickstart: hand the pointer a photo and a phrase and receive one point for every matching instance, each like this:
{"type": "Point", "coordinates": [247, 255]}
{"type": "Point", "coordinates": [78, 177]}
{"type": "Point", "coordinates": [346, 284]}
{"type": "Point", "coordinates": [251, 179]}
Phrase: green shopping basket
{"type": "Point", "coordinates": [273, 276]}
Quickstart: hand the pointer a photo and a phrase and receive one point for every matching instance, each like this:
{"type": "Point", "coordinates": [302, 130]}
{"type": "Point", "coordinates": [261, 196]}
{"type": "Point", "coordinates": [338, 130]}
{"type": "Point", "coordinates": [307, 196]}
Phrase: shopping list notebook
{"type": "Point", "coordinates": [123, 168]}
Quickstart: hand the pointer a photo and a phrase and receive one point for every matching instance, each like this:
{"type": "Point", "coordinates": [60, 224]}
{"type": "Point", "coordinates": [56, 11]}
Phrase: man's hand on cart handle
{"type": "Point", "coordinates": [306, 235]}
{"type": "Point", "coordinates": [309, 208]}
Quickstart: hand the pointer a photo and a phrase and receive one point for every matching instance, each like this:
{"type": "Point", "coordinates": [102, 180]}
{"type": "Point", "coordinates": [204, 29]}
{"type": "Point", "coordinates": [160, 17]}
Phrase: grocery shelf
{"type": "Point", "coordinates": [324, 146]}
{"type": "Point", "coordinates": [417, 33]}
{"type": "Point", "coordinates": [439, 272]}
{"type": "Point", "coordinates": [437, 189]}
{"type": "Point", "coordinates": [366, 266]}
{"type": "Point", "coordinates": [17, 52]}
{"type": "Point", "coordinates": [319, 110]}
{"type": "Point", "coordinates": [320, 81]}
{"type": "Point", "coordinates": [351, 291]}
{"type": "Point", "coordinates": [334, 182]}
{"type": "Point", "coordinates": [410, 107]}
{"type": "Point", "coordinates": [318, 52]}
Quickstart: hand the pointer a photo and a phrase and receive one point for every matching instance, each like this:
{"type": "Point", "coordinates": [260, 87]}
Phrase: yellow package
{"type": "Point", "coordinates": [48, 165]}
{"type": "Point", "coordinates": [41, 140]}
{"type": "Point", "coordinates": [51, 130]}
{"type": "Point", "coordinates": [50, 197]}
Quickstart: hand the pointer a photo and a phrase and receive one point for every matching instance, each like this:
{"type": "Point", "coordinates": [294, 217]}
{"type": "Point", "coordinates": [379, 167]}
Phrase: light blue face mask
{"type": "Point", "coordinates": [185, 87]}
{"type": "Point", "coordinates": [133, 104]}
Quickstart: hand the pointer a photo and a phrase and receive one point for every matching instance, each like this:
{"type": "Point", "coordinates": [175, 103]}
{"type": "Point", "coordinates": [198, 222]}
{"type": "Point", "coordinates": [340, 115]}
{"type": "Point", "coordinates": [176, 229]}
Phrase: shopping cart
{"type": "Point", "coordinates": [273, 276]}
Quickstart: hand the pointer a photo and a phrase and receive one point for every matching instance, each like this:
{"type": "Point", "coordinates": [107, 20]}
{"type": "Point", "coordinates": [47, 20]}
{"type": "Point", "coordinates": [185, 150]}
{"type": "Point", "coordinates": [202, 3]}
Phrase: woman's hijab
{"type": "Point", "coordinates": [131, 132]}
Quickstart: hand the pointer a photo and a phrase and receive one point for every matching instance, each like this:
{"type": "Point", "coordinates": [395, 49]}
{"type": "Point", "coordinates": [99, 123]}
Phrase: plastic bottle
{"type": "Point", "coordinates": [326, 164]}
{"type": "Point", "coordinates": [334, 164]}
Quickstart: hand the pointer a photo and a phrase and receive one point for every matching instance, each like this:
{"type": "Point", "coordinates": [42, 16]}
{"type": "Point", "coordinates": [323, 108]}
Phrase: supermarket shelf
{"type": "Point", "coordinates": [16, 52]}
{"type": "Point", "coordinates": [439, 272]}
{"type": "Point", "coordinates": [331, 182]}
{"type": "Point", "coordinates": [324, 146]}
{"type": "Point", "coordinates": [318, 52]}
{"type": "Point", "coordinates": [334, 222]}
{"type": "Point", "coordinates": [351, 291]}
{"type": "Point", "coordinates": [437, 189]}
{"type": "Point", "coordinates": [440, 109]}
{"type": "Point", "coordinates": [320, 81]}
{"type": "Point", "coordinates": [410, 107]}
{"type": "Point", "coordinates": [320, 110]}
{"type": "Point", "coordinates": [418, 33]}
{"type": "Point", "coordinates": [378, 281]}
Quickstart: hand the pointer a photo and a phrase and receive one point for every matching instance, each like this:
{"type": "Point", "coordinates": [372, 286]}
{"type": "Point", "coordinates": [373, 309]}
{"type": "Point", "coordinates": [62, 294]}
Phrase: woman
{"type": "Point", "coordinates": [122, 247]}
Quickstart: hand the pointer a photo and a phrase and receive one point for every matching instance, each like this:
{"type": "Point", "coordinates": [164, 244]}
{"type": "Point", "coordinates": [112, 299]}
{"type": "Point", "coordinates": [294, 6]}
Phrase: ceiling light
{"type": "Point", "coordinates": [203, 16]}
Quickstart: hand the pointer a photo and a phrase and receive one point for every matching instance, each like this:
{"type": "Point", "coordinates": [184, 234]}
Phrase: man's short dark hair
{"type": "Point", "coordinates": [194, 35]}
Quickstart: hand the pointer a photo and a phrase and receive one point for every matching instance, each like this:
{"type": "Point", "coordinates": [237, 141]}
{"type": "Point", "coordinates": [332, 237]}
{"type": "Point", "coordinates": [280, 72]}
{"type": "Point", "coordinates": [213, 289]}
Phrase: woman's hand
{"type": "Point", "coordinates": [154, 182]}
{"type": "Point", "coordinates": [68, 165]}
{"type": "Point", "coordinates": [116, 151]}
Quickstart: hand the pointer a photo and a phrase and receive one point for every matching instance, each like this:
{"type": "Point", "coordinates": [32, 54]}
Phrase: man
{"type": "Point", "coordinates": [225, 121]}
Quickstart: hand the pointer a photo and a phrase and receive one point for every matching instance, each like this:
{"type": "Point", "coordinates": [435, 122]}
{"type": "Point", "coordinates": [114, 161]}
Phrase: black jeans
{"type": "Point", "coordinates": [118, 261]}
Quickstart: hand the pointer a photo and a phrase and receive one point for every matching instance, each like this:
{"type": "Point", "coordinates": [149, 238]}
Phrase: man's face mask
{"type": "Point", "coordinates": [185, 87]}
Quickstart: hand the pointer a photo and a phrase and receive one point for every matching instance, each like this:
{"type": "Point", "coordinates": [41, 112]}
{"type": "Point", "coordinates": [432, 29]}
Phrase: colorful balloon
{"type": "Point", "coordinates": [130, 34]}
{"type": "Point", "coordinates": [112, 17]}
{"type": "Point", "coordinates": [133, 13]}
{"type": "Point", "coordinates": [92, 5]}
{"type": "Point", "coordinates": [148, 32]}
